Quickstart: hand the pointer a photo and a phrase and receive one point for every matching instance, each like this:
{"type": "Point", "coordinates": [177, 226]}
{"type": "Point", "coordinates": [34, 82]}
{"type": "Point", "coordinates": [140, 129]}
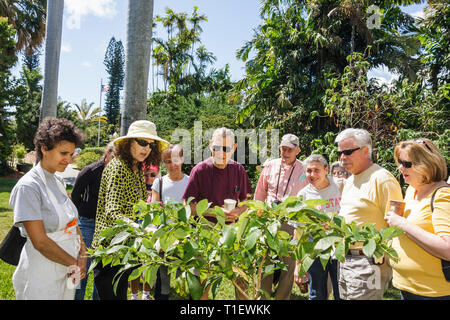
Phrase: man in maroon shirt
{"type": "Point", "coordinates": [218, 178]}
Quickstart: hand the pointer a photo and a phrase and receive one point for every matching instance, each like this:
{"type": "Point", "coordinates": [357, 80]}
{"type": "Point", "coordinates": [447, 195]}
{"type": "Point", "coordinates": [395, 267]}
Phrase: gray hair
{"type": "Point", "coordinates": [316, 158]}
{"type": "Point", "coordinates": [110, 148]}
{"type": "Point", "coordinates": [223, 132]}
{"type": "Point", "coordinates": [336, 164]}
{"type": "Point", "coordinates": [361, 138]}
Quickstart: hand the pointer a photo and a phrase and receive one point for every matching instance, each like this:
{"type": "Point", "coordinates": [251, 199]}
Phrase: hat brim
{"type": "Point", "coordinates": [162, 144]}
{"type": "Point", "coordinates": [288, 144]}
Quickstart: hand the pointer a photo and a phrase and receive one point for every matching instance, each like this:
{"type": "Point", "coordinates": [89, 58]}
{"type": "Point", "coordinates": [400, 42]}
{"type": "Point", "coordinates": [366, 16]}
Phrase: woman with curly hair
{"type": "Point", "coordinates": [121, 187]}
{"type": "Point", "coordinates": [54, 255]}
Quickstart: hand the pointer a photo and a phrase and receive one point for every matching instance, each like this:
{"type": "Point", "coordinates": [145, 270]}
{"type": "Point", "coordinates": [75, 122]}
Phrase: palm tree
{"type": "Point", "coordinates": [86, 114]}
{"type": "Point", "coordinates": [55, 9]}
{"type": "Point", "coordinates": [137, 61]}
{"type": "Point", "coordinates": [28, 19]}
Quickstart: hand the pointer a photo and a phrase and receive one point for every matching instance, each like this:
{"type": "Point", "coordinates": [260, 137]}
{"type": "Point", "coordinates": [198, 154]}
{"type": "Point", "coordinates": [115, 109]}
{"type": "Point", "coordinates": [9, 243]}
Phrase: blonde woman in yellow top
{"type": "Point", "coordinates": [426, 239]}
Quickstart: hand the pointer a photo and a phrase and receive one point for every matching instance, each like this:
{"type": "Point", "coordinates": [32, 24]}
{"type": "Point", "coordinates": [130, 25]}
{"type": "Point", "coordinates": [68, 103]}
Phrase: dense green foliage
{"type": "Point", "coordinates": [203, 255]}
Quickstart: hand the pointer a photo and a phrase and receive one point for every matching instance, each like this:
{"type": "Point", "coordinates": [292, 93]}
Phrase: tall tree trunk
{"type": "Point", "coordinates": [53, 33]}
{"type": "Point", "coordinates": [137, 62]}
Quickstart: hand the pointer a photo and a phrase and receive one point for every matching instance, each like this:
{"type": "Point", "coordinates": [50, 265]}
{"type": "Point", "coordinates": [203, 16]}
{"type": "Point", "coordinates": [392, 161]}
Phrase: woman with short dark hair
{"type": "Point", "coordinates": [425, 243]}
{"type": "Point", "coordinates": [48, 219]}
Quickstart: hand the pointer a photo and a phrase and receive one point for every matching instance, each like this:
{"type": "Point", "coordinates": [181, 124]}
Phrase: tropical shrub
{"type": "Point", "coordinates": [202, 255]}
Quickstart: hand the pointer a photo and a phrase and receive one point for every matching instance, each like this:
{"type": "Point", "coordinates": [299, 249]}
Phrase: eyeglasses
{"type": "Point", "coordinates": [150, 175]}
{"type": "Point", "coordinates": [418, 140]}
{"type": "Point", "coordinates": [340, 173]}
{"type": "Point", "coordinates": [405, 164]}
{"type": "Point", "coordinates": [347, 152]}
{"type": "Point", "coordinates": [144, 143]}
{"type": "Point", "coordinates": [223, 148]}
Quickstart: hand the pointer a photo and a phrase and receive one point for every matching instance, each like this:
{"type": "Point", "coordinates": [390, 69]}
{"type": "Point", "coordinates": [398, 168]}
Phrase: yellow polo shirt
{"type": "Point", "coordinates": [417, 271]}
{"type": "Point", "coordinates": [365, 197]}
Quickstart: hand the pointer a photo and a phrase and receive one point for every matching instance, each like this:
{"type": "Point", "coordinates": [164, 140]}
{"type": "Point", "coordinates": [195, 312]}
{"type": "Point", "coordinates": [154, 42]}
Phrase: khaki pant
{"type": "Point", "coordinates": [360, 279]}
{"type": "Point", "coordinates": [286, 281]}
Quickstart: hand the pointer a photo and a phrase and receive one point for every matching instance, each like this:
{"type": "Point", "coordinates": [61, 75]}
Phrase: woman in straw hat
{"type": "Point", "coordinates": [123, 185]}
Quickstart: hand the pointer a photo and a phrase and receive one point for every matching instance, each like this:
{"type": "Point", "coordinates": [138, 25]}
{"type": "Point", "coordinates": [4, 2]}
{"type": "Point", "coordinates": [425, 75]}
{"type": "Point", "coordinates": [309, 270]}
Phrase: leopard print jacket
{"type": "Point", "coordinates": [120, 189]}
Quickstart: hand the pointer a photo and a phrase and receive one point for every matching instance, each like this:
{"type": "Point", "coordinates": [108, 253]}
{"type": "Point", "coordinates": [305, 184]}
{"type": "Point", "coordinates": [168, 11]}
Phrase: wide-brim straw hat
{"type": "Point", "coordinates": [143, 129]}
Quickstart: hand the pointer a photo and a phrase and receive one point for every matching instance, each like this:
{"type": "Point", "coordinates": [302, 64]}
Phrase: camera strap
{"type": "Point", "coordinates": [289, 179]}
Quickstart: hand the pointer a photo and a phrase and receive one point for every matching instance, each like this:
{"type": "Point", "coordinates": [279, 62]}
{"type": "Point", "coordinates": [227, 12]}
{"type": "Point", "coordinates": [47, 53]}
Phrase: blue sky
{"type": "Point", "coordinates": [89, 26]}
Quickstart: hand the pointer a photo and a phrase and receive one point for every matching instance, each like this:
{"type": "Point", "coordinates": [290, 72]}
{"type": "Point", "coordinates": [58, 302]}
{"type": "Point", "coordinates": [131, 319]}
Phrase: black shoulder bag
{"type": "Point", "coordinates": [11, 246]}
{"type": "Point", "coordinates": [445, 263]}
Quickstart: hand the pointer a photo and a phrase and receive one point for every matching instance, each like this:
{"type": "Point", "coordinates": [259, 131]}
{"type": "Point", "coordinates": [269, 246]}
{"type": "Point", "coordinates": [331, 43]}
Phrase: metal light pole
{"type": "Point", "coordinates": [100, 112]}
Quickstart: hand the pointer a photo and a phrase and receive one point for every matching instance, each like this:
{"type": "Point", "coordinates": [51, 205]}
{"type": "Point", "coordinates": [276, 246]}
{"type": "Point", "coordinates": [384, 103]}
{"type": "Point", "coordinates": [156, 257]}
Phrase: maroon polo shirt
{"type": "Point", "coordinates": [208, 182]}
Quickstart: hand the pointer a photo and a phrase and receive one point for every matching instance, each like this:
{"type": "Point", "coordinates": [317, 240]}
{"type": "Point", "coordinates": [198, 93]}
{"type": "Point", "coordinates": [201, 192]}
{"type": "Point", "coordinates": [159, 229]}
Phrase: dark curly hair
{"type": "Point", "coordinates": [123, 151]}
{"type": "Point", "coordinates": [51, 131]}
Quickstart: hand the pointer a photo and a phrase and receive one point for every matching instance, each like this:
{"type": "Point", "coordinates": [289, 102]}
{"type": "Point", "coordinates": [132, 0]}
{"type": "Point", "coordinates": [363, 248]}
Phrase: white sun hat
{"type": "Point", "coordinates": [143, 129]}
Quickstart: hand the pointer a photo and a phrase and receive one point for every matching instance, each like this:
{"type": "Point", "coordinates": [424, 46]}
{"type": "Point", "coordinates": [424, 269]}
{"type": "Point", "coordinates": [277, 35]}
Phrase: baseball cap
{"type": "Point", "coordinates": [289, 140]}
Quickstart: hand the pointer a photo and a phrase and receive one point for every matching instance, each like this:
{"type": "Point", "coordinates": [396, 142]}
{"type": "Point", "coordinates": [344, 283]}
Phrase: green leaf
{"type": "Point", "coordinates": [272, 242]}
{"type": "Point", "coordinates": [195, 289]}
{"type": "Point", "coordinates": [305, 264]}
{"type": "Point", "coordinates": [136, 273]}
{"type": "Point", "coordinates": [115, 249]}
{"type": "Point", "coordinates": [389, 233]}
{"type": "Point", "coordinates": [181, 232]}
{"type": "Point", "coordinates": [369, 248]}
{"type": "Point", "coordinates": [147, 243]}
{"type": "Point", "coordinates": [228, 237]}
{"type": "Point", "coordinates": [313, 203]}
{"type": "Point", "coordinates": [146, 221]}
{"type": "Point", "coordinates": [324, 258]}
{"type": "Point", "coordinates": [340, 251]}
{"type": "Point", "coordinates": [120, 237]}
{"type": "Point", "coordinates": [150, 274]}
{"type": "Point", "coordinates": [189, 251]}
{"type": "Point", "coordinates": [202, 206]}
{"type": "Point", "coordinates": [325, 243]}
{"type": "Point", "coordinates": [251, 239]}
{"type": "Point", "coordinates": [242, 225]}
{"type": "Point", "coordinates": [273, 228]}
{"type": "Point", "coordinates": [182, 216]}
{"type": "Point", "coordinates": [166, 241]}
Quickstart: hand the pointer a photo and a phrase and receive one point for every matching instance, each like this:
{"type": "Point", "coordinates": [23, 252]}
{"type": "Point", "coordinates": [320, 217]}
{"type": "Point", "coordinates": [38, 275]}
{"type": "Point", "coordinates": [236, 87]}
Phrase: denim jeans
{"type": "Point", "coordinates": [87, 227]}
{"type": "Point", "coordinates": [318, 289]}
{"type": "Point", "coordinates": [411, 296]}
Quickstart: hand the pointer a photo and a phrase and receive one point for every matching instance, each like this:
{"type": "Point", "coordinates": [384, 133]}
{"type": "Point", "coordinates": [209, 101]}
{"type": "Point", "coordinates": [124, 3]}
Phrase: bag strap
{"type": "Point", "coordinates": [160, 189]}
{"type": "Point", "coordinates": [434, 194]}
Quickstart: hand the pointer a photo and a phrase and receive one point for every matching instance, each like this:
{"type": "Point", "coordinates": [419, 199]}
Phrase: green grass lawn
{"type": "Point", "coordinates": [226, 291]}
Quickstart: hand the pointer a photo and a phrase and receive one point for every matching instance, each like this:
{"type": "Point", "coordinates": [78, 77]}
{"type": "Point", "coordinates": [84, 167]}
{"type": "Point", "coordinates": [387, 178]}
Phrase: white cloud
{"type": "Point", "coordinates": [66, 47]}
{"type": "Point", "coordinates": [77, 9]}
{"type": "Point", "coordinates": [382, 74]}
{"type": "Point", "coordinates": [418, 14]}
{"type": "Point", "coordinates": [86, 64]}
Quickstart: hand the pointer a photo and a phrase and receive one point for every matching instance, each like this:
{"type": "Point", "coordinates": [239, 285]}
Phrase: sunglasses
{"type": "Point", "coordinates": [347, 152]}
{"type": "Point", "coordinates": [422, 141]}
{"type": "Point", "coordinates": [223, 148]}
{"type": "Point", "coordinates": [150, 175]}
{"type": "Point", "coordinates": [144, 143]}
{"type": "Point", "coordinates": [405, 164]}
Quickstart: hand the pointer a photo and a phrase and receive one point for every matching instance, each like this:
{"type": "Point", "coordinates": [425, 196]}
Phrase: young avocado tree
{"type": "Point", "coordinates": [202, 255]}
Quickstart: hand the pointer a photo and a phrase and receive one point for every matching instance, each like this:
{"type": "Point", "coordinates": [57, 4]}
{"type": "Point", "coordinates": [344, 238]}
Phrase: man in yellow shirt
{"type": "Point", "coordinates": [365, 198]}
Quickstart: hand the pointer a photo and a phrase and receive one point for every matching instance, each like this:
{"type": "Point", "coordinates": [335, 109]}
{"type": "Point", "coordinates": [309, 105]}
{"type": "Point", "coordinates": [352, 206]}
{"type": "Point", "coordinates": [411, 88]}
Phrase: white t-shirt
{"type": "Point", "coordinates": [30, 201]}
{"type": "Point", "coordinates": [171, 189]}
{"type": "Point", "coordinates": [331, 193]}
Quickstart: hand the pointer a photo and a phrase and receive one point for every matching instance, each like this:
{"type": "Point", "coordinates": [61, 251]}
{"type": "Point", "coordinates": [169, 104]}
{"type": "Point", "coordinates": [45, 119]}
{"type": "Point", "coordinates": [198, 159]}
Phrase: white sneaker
{"type": "Point", "coordinates": [146, 297]}
{"type": "Point", "coordinates": [134, 297]}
